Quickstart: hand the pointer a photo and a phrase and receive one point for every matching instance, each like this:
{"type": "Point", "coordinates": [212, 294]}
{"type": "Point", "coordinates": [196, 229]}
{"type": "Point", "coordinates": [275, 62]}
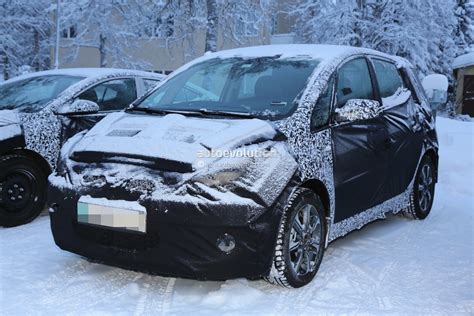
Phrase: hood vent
{"type": "Point", "coordinates": [124, 132]}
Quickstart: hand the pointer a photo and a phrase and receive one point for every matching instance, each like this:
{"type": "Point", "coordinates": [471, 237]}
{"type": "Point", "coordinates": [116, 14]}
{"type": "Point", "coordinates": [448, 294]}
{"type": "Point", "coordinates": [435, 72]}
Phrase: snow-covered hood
{"type": "Point", "coordinates": [9, 124]}
{"type": "Point", "coordinates": [9, 117]}
{"type": "Point", "coordinates": [172, 142]}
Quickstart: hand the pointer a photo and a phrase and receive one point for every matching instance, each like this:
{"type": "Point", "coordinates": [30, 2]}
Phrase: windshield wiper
{"type": "Point", "coordinates": [202, 111]}
{"type": "Point", "coordinates": [158, 111]}
{"type": "Point", "coordinates": [224, 113]}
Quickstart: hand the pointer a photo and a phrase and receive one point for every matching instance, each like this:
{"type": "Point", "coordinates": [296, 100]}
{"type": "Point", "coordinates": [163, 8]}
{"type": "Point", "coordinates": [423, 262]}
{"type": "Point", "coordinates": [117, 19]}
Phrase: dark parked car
{"type": "Point", "coordinates": [38, 112]}
{"type": "Point", "coordinates": [290, 148]}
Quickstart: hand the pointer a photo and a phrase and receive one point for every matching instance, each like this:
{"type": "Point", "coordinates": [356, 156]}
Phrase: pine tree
{"type": "Point", "coordinates": [464, 32]}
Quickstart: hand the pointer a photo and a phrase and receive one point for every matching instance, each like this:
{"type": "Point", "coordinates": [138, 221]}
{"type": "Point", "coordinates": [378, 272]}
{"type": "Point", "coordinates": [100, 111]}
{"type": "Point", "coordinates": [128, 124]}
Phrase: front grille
{"type": "Point", "coordinates": [141, 185]}
{"type": "Point", "coordinates": [94, 180]}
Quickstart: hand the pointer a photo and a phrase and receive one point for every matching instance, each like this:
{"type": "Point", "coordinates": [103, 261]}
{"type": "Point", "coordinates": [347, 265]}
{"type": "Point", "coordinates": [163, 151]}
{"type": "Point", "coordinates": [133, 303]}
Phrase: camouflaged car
{"type": "Point", "coordinates": [285, 149]}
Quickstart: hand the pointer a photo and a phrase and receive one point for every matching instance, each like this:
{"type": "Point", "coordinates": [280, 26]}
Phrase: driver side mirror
{"type": "Point", "coordinates": [78, 107]}
{"type": "Point", "coordinates": [436, 88]}
{"type": "Point", "coordinates": [357, 110]}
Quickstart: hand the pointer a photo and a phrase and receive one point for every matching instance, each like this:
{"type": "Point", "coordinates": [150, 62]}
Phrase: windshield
{"type": "Point", "coordinates": [263, 87]}
{"type": "Point", "coordinates": [32, 94]}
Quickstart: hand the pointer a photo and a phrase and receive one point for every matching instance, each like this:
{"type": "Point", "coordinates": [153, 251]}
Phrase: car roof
{"type": "Point", "coordinates": [325, 54]}
{"type": "Point", "coordinates": [87, 73]}
{"type": "Point", "coordinates": [313, 51]}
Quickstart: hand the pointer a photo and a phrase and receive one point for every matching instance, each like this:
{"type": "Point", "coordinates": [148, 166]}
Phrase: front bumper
{"type": "Point", "coordinates": [180, 240]}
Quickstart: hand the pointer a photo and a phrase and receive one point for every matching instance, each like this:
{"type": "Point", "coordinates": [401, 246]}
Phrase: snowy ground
{"type": "Point", "coordinates": [391, 266]}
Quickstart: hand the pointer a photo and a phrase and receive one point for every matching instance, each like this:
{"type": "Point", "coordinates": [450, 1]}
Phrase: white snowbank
{"type": "Point", "coordinates": [394, 266]}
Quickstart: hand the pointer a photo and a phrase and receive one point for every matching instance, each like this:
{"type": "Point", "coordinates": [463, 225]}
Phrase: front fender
{"type": "Point", "coordinates": [11, 137]}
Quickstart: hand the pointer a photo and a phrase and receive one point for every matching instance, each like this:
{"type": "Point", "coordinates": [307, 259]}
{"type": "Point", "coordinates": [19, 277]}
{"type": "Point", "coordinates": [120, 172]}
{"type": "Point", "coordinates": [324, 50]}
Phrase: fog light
{"type": "Point", "coordinates": [226, 243]}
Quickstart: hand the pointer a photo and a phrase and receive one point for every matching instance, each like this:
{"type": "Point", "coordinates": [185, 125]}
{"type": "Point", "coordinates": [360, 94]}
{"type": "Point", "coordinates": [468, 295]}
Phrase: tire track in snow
{"type": "Point", "coordinates": [89, 286]}
{"type": "Point", "coordinates": [155, 299]}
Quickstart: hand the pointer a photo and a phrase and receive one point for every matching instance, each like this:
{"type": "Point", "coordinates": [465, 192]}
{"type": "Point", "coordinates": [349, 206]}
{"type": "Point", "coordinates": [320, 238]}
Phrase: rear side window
{"type": "Point", "coordinates": [353, 82]}
{"type": "Point", "coordinates": [388, 78]}
{"type": "Point", "coordinates": [150, 83]}
{"type": "Point", "coordinates": [112, 95]}
{"type": "Point", "coordinates": [411, 81]}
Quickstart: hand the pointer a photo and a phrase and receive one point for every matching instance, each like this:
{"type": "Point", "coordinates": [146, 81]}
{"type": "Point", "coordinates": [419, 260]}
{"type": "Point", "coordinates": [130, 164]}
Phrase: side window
{"type": "Point", "coordinates": [388, 78]}
{"type": "Point", "coordinates": [322, 108]}
{"type": "Point", "coordinates": [149, 83]}
{"type": "Point", "coordinates": [353, 82]}
{"type": "Point", "coordinates": [410, 82]}
{"type": "Point", "coordinates": [112, 95]}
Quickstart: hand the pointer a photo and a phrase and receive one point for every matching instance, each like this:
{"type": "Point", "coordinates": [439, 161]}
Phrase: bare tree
{"type": "Point", "coordinates": [108, 26]}
{"type": "Point", "coordinates": [211, 25]}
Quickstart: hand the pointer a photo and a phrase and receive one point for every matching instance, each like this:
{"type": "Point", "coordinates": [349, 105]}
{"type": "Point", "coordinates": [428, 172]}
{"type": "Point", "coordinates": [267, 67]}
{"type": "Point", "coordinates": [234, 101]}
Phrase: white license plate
{"type": "Point", "coordinates": [116, 214]}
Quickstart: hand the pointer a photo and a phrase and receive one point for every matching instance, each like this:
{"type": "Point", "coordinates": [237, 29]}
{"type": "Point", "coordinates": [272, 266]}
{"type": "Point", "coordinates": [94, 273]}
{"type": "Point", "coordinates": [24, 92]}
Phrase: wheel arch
{"type": "Point", "coordinates": [43, 163]}
{"type": "Point", "coordinates": [433, 154]}
{"type": "Point", "coordinates": [318, 187]}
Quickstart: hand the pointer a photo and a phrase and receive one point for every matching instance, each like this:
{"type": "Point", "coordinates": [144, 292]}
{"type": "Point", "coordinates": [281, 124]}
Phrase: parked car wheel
{"type": "Point", "coordinates": [423, 190]}
{"type": "Point", "coordinates": [301, 240]}
{"type": "Point", "coordinates": [22, 190]}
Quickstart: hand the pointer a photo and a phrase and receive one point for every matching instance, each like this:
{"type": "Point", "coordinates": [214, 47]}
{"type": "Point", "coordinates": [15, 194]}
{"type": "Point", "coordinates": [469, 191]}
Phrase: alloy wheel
{"type": "Point", "coordinates": [305, 240]}
{"type": "Point", "coordinates": [425, 188]}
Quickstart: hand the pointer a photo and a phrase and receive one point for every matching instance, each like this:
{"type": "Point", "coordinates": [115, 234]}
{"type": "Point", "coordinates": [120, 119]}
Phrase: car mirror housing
{"type": "Point", "coordinates": [357, 110]}
{"type": "Point", "coordinates": [78, 107]}
{"type": "Point", "coordinates": [436, 88]}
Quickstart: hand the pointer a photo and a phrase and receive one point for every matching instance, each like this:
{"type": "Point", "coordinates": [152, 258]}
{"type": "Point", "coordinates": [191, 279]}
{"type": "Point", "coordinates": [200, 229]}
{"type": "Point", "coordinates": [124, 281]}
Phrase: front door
{"type": "Point", "coordinates": [111, 96]}
{"type": "Point", "coordinates": [361, 148]}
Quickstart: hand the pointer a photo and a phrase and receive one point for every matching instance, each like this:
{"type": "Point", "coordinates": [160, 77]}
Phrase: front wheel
{"type": "Point", "coordinates": [22, 190]}
{"type": "Point", "coordinates": [301, 240]}
{"type": "Point", "coordinates": [423, 191]}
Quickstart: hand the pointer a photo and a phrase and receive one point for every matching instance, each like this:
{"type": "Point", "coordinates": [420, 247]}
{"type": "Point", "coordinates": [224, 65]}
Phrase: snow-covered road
{"type": "Point", "coordinates": [392, 266]}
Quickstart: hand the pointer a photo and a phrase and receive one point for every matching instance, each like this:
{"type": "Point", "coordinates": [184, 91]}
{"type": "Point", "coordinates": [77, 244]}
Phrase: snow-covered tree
{"type": "Point", "coordinates": [423, 31]}
{"type": "Point", "coordinates": [109, 26]}
{"type": "Point", "coordinates": [187, 22]}
{"type": "Point", "coordinates": [239, 20]}
{"type": "Point", "coordinates": [212, 23]}
{"type": "Point", "coordinates": [175, 22]}
{"type": "Point", "coordinates": [24, 35]}
{"type": "Point", "coordinates": [465, 25]}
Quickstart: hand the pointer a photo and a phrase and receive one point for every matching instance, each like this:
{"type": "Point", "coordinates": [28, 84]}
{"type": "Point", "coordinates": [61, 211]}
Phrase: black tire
{"type": "Point", "coordinates": [306, 246]}
{"type": "Point", "coordinates": [23, 187]}
{"type": "Point", "coordinates": [423, 190]}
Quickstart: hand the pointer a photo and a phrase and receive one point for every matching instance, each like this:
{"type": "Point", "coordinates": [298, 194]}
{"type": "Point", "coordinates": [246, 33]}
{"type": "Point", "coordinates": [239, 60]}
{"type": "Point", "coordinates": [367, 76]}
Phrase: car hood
{"type": "Point", "coordinates": [10, 125]}
{"type": "Point", "coordinates": [171, 142]}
